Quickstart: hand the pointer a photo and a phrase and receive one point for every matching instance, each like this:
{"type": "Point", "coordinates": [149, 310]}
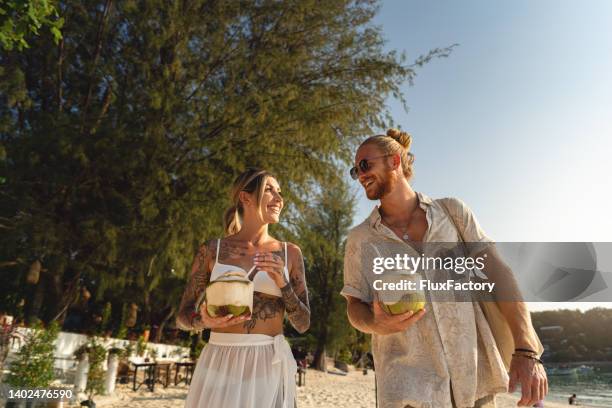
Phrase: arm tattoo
{"type": "Point", "coordinates": [200, 276]}
{"type": "Point", "coordinates": [295, 297]}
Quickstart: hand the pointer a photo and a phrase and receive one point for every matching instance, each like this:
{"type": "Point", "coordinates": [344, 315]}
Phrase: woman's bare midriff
{"type": "Point", "coordinates": [267, 317]}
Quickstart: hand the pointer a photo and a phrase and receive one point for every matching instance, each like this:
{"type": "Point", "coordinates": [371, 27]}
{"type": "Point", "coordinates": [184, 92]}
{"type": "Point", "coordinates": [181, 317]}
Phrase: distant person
{"type": "Point", "coordinates": [419, 355]}
{"type": "Point", "coordinates": [572, 400]}
{"type": "Point", "coordinates": [247, 362]}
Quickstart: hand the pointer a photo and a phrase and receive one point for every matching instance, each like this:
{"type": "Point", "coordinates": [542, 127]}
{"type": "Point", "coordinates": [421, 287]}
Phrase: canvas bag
{"type": "Point", "coordinates": [497, 322]}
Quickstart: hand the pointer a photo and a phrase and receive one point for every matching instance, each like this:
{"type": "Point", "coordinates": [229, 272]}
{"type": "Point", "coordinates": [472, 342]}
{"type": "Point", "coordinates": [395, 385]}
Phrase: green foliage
{"type": "Point", "coordinates": [141, 346]}
{"type": "Point", "coordinates": [95, 377]}
{"type": "Point", "coordinates": [122, 330]}
{"type": "Point", "coordinates": [584, 335]}
{"type": "Point", "coordinates": [120, 145]}
{"type": "Point", "coordinates": [106, 316]}
{"type": "Point", "coordinates": [129, 349]}
{"type": "Point", "coordinates": [196, 349]}
{"type": "Point", "coordinates": [34, 364]}
{"type": "Point", "coordinates": [345, 356]}
{"type": "Point", "coordinates": [21, 18]}
{"type": "Point", "coordinates": [321, 231]}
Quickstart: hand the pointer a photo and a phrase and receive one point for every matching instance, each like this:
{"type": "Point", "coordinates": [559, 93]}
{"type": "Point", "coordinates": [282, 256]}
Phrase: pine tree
{"type": "Point", "coordinates": [20, 19]}
{"type": "Point", "coordinates": [120, 141]}
{"type": "Point", "coordinates": [321, 231]}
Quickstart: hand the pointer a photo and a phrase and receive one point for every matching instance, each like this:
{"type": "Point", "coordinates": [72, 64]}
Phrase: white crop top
{"type": "Point", "coordinates": [261, 282]}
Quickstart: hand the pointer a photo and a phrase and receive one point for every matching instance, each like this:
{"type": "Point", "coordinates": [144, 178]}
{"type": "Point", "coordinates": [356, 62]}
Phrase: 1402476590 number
{"type": "Point", "coordinates": [36, 394]}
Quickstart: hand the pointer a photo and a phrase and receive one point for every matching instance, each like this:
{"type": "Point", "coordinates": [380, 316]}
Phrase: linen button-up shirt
{"type": "Point", "coordinates": [451, 344]}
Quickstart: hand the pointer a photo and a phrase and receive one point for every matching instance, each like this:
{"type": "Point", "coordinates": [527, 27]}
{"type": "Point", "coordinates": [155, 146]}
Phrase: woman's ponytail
{"type": "Point", "coordinates": [231, 221]}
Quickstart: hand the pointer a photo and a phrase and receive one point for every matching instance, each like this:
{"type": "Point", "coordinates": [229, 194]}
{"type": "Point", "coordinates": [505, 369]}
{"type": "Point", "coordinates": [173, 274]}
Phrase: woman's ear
{"type": "Point", "coordinates": [245, 198]}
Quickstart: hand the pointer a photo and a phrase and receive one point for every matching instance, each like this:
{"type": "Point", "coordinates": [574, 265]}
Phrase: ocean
{"type": "Point", "coordinates": [593, 387]}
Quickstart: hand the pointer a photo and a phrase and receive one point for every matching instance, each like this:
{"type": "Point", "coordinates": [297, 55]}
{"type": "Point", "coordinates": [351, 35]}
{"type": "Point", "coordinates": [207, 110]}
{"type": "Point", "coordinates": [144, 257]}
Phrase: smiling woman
{"type": "Point", "coordinates": [248, 267]}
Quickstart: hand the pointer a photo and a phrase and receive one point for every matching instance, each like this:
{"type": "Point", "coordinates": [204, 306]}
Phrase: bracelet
{"type": "Point", "coordinates": [528, 356]}
{"type": "Point", "coordinates": [525, 350]}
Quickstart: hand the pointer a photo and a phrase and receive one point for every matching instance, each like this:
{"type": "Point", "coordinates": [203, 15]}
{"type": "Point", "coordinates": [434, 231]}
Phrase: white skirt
{"type": "Point", "coordinates": [244, 371]}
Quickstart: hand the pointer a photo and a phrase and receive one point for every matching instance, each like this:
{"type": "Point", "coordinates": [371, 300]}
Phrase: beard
{"type": "Point", "coordinates": [382, 187]}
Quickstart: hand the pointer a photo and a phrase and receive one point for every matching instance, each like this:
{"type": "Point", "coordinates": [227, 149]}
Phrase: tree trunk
{"type": "Point", "coordinates": [160, 329]}
{"type": "Point", "coordinates": [35, 302]}
{"type": "Point", "coordinates": [320, 352]}
{"type": "Point", "coordinates": [319, 359]}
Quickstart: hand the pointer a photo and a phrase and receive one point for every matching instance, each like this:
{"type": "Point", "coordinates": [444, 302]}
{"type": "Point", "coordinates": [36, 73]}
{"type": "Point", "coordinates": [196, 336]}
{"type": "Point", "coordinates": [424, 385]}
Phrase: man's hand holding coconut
{"type": "Point", "coordinates": [383, 322]}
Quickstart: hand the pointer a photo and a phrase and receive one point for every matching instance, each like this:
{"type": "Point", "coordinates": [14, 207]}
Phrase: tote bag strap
{"type": "Point", "coordinates": [496, 320]}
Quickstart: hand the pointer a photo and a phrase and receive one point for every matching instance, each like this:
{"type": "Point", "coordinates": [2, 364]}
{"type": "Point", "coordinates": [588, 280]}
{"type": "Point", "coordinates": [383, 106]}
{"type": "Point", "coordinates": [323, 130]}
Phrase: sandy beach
{"type": "Point", "coordinates": [322, 390]}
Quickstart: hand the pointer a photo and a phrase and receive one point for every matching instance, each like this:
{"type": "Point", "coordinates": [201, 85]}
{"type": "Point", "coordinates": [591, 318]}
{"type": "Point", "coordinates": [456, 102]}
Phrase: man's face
{"type": "Point", "coordinates": [377, 180]}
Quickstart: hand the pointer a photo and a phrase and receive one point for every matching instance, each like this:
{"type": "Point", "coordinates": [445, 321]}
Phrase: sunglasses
{"type": "Point", "coordinates": [363, 166]}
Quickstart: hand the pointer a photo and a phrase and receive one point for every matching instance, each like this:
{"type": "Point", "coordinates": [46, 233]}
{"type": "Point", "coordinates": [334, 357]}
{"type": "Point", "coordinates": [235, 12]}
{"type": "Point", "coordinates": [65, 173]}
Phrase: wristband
{"type": "Point", "coordinates": [529, 357]}
{"type": "Point", "coordinates": [525, 350]}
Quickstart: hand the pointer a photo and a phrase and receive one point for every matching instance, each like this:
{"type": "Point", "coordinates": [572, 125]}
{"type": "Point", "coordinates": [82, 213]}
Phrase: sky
{"type": "Point", "coordinates": [517, 121]}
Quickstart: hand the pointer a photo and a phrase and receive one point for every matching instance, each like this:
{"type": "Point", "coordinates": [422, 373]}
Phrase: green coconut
{"type": "Point", "coordinates": [224, 310]}
{"type": "Point", "coordinates": [409, 302]}
{"type": "Point", "coordinates": [231, 293]}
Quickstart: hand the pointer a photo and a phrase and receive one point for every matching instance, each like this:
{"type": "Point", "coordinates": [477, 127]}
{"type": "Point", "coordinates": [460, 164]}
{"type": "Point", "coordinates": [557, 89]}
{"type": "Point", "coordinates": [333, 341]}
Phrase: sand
{"type": "Point", "coordinates": [322, 390]}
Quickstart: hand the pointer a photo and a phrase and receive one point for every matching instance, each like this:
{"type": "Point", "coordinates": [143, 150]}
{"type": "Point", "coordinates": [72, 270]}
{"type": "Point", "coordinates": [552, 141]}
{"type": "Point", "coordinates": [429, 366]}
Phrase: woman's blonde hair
{"type": "Point", "coordinates": [252, 181]}
{"type": "Point", "coordinates": [395, 142]}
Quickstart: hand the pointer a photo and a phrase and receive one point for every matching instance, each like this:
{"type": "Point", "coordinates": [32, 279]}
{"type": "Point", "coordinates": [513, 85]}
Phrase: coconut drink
{"type": "Point", "coordinates": [231, 293]}
{"type": "Point", "coordinates": [409, 302]}
{"type": "Point", "coordinates": [401, 301]}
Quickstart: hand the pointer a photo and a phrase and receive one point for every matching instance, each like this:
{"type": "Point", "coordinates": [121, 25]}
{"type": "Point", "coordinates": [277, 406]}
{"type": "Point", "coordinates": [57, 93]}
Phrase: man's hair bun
{"type": "Point", "coordinates": [395, 142]}
{"type": "Point", "coordinates": [402, 138]}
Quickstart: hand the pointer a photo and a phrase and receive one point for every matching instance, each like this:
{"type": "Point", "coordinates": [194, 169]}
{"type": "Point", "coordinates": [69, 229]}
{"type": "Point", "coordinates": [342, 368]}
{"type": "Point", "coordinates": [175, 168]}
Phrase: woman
{"type": "Point", "coordinates": [247, 361]}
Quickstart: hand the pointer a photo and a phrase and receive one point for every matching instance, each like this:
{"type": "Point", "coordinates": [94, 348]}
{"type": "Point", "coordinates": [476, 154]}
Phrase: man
{"type": "Point", "coordinates": [443, 355]}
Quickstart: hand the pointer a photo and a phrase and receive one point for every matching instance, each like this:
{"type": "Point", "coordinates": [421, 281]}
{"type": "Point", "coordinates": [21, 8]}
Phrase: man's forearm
{"type": "Point", "coordinates": [360, 316]}
{"type": "Point", "coordinates": [519, 320]}
{"type": "Point", "coordinates": [510, 301]}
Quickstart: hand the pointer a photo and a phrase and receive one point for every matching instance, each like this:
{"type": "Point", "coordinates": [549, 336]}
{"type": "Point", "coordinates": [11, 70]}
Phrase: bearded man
{"type": "Point", "coordinates": [444, 355]}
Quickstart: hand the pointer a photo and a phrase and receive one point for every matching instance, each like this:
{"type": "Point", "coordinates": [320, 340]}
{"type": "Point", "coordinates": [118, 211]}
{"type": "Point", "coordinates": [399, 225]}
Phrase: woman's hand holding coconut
{"type": "Point", "coordinates": [211, 322]}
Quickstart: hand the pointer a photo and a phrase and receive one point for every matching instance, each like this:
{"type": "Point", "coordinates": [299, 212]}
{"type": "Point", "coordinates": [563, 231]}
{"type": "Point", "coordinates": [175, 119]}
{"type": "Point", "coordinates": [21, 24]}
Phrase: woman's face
{"type": "Point", "coordinates": [271, 201]}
